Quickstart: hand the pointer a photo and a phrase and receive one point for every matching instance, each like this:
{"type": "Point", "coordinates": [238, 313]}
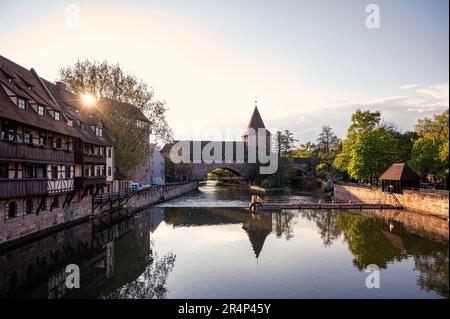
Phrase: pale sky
{"type": "Point", "coordinates": [309, 63]}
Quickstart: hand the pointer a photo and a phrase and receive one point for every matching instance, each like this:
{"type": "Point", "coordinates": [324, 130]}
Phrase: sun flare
{"type": "Point", "coordinates": [89, 99]}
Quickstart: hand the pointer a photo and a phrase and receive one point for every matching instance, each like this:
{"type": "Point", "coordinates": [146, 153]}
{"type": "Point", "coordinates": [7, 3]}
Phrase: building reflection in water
{"type": "Point", "coordinates": [117, 258]}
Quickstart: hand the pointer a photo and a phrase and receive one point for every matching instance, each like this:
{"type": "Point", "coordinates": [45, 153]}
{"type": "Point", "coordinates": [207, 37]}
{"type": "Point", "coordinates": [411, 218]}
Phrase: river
{"type": "Point", "coordinates": [206, 245]}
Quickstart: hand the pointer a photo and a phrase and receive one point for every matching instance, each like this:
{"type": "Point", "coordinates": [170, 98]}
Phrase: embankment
{"type": "Point", "coordinates": [417, 201]}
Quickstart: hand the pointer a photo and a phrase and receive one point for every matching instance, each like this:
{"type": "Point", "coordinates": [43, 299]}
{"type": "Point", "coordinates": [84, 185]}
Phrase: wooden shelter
{"type": "Point", "coordinates": [399, 176]}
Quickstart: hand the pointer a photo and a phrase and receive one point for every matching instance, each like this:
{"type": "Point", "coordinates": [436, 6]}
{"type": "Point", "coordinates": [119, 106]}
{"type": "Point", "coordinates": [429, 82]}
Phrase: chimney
{"type": "Point", "coordinates": [61, 85]}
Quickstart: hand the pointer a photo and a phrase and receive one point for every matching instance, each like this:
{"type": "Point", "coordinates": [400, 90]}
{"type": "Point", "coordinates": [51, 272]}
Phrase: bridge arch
{"type": "Point", "coordinates": [200, 171]}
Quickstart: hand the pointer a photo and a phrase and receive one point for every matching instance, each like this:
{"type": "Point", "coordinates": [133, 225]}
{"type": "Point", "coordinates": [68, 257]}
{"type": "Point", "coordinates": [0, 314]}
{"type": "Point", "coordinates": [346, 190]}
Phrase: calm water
{"type": "Point", "coordinates": [205, 245]}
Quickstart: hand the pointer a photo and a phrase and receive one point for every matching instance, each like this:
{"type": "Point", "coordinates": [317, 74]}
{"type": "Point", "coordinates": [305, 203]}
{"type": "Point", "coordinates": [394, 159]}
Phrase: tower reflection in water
{"type": "Point", "coordinates": [118, 259]}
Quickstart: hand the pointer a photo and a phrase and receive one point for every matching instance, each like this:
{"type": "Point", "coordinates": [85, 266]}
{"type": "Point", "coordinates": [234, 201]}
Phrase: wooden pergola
{"type": "Point", "coordinates": [399, 176]}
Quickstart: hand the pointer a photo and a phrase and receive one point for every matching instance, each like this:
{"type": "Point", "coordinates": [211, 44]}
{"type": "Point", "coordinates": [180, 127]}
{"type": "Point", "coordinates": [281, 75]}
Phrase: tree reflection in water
{"type": "Point", "coordinates": [151, 284]}
{"type": "Point", "coordinates": [380, 242]}
{"type": "Point", "coordinates": [371, 244]}
{"type": "Point", "coordinates": [283, 222]}
{"type": "Point", "coordinates": [326, 224]}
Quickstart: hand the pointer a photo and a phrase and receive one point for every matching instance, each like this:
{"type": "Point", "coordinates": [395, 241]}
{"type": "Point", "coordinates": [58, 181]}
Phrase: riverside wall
{"type": "Point", "coordinates": [25, 227]}
{"type": "Point", "coordinates": [412, 200]}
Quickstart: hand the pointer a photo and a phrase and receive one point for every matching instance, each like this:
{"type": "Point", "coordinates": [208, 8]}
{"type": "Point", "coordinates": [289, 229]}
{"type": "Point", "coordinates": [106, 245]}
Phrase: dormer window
{"type": "Point", "coordinates": [40, 110]}
{"type": "Point", "coordinates": [98, 131]}
{"type": "Point", "coordinates": [70, 123]}
{"type": "Point", "coordinates": [22, 104]}
{"type": "Point", "coordinates": [57, 116]}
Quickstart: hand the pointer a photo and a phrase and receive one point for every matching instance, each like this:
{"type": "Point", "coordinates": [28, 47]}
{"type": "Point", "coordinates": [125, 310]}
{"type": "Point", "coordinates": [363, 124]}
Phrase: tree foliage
{"type": "Point", "coordinates": [430, 151]}
{"type": "Point", "coordinates": [109, 83]}
{"type": "Point", "coordinates": [362, 121]}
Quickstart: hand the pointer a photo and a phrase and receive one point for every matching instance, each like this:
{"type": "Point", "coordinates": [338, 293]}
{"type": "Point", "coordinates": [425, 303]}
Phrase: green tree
{"type": "Point", "coordinates": [307, 149]}
{"type": "Point", "coordinates": [328, 145]}
{"type": "Point", "coordinates": [425, 157]}
{"type": "Point", "coordinates": [373, 153]}
{"type": "Point", "coordinates": [362, 121]}
{"type": "Point", "coordinates": [285, 141]}
{"type": "Point", "coordinates": [110, 83]}
{"type": "Point", "coordinates": [430, 151]}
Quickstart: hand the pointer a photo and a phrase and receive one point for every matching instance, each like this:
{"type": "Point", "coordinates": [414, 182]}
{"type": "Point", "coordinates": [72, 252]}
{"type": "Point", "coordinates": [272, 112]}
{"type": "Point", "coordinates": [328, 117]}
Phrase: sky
{"type": "Point", "coordinates": [308, 63]}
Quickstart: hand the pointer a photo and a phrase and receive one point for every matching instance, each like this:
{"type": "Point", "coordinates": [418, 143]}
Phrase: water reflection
{"type": "Point", "coordinates": [110, 256]}
{"type": "Point", "coordinates": [170, 252]}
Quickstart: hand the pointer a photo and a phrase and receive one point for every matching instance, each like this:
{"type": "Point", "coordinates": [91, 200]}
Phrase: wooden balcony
{"type": "Point", "coordinates": [60, 186]}
{"type": "Point", "coordinates": [81, 158]}
{"type": "Point", "coordinates": [81, 182]}
{"type": "Point", "coordinates": [12, 188]}
{"type": "Point", "coordinates": [12, 151]}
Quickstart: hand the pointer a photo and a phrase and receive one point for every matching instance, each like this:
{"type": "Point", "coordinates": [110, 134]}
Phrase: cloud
{"type": "Point", "coordinates": [409, 86]}
{"type": "Point", "coordinates": [417, 101]}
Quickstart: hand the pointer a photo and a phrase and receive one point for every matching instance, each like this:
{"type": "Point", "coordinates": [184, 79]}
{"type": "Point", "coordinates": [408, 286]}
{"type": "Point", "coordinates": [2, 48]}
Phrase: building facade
{"type": "Point", "coordinates": [157, 166]}
{"type": "Point", "coordinates": [55, 154]}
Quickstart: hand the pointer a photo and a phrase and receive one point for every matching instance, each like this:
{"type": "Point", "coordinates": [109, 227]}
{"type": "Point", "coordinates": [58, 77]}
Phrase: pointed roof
{"type": "Point", "coordinates": [400, 172]}
{"type": "Point", "coordinates": [257, 238]}
{"type": "Point", "coordinates": [255, 122]}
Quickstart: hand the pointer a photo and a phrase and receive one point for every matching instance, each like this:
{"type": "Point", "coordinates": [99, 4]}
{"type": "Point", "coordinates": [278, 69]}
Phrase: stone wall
{"type": "Point", "coordinates": [158, 194]}
{"type": "Point", "coordinates": [80, 209]}
{"type": "Point", "coordinates": [422, 202]}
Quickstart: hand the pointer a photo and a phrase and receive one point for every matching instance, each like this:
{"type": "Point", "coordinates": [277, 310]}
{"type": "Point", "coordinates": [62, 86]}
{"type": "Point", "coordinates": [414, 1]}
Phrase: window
{"type": "Point", "coordinates": [98, 131]}
{"type": "Point", "coordinates": [109, 153]}
{"type": "Point", "coordinates": [50, 141]}
{"type": "Point", "coordinates": [70, 123]}
{"type": "Point", "coordinates": [55, 202]}
{"type": "Point", "coordinates": [57, 116]}
{"type": "Point", "coordinates": [109, 171]}
{"type": "Point", "coordinates": [54, 172]}
{"type": "Point", "coordinates": [41, 138]}
{"type": "Point", "coordinates": [86, 172]}
{"type": "Point", "coordinates": [27, 137]}
{"type": "Point", "coordinates": [40, 172]}
{"type": "Point", "coordinates": [58, 142]}
{"type": "Point", "coordinates": [12, 210]}
{"type": "Point", "coordinates": [29, 207]}
{"type": "Point", "coordinates": [40, 110]}
{"type": "Point", "coordinates": [67, 171]}
{"type": "Point", "coordinates": [98, 171]}
{"type": "Point", "coordinates": [4, 170]}
{"type": "Point", "coordinates": [28, 171]}
{"type": "Point", "coordinates": [70, 143]}
{"type": "Point", "coordinates": [22, 104]}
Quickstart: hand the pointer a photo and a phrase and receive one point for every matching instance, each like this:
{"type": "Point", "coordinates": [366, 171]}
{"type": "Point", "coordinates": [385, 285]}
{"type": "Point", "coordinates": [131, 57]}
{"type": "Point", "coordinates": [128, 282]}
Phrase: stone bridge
{"type": "Point", "coordinates": [243, 170]}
